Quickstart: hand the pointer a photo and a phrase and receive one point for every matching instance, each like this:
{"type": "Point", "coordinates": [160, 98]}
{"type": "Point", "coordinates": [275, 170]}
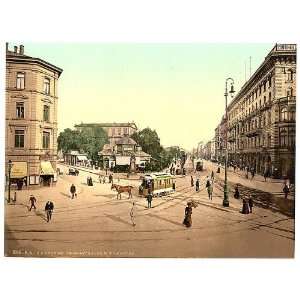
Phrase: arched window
{"type": "Point", "coordinates": [284, 114]}
{"type": "Point", "coordinates": [283, 137]}
{"type": "Point", "coordinates": [292, 115]}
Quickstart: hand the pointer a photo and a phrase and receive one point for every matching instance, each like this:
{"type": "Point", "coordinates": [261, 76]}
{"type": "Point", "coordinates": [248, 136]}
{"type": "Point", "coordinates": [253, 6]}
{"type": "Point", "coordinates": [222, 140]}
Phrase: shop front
{"type": "Point", "coordinates": [18, 174]}
{"type": "Point", "coordinates": [47, 174]}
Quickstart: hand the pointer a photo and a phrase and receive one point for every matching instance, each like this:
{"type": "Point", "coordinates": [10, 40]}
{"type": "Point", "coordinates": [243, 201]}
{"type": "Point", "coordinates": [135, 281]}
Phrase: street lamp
{"type": "Point", "coordinates": [231, 92]}
{"type": "Point", "coordinates": [10, 164]}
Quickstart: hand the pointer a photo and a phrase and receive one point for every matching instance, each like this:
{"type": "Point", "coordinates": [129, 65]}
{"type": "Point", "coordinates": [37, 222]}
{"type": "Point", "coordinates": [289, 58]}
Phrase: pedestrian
{"type": "Point", "coordinates": [236, 192]}
{"type": "Point", "coordinates": [212, 175]}
{"type": "Point", "coordinates": [104, 179]}
{"type": "Point", "coordinates": [73, 191]}
{"type": "Point", "coordinates": [149, 198]}
{"type": "Point", "coordinates": [245, 208]}
{"type": "Point", "coordinates": [174, 185]}
{"type": "Point", "coordinates": [49, 207]}
{"type": "Point", "coordinates": [192, 181]}
{"type": "Point", "coordinates": [286, 190]}
{"type": "Point", "coordinates": [76, 172]}
{"type": "Point", "coordinates": [252, 173]}
{"type": "Point", "coordinates": [132, 213]}
{"type": "Point", "coordinates": [110, 178]}
{"type": "Point", "coordinates": [188, 215]}
{"type": "Point", "coordinates": [100, 178]}
{"type": "Point", "coordinates": [197, 185]}
{"type": "Point", "coordinates": [32, 201]}
{"type": "Point", "coordinates": [234, 168]}
{"type": "Point", "coordinates": [265, 175]}
{"type": "Point", "coordinates": [210, 191]}
{"type": "Point", "coordinates": [208, 183]}
{"type": "Point", "coordinates": [250, 201]}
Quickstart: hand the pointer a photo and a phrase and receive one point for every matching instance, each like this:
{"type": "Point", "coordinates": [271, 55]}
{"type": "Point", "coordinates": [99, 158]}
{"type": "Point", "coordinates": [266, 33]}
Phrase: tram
{"type": "Point", "coordinates": [158, 183]}
{"type": "Point", "coordinates": [198, 165]}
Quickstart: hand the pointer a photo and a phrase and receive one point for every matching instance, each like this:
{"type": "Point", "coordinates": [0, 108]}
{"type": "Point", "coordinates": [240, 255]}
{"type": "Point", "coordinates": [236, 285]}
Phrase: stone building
{"type": "Point", "coordinates": [262, 116]}
{"type": "Point", "coordinates": [115, 131]}
{"type": "Point", "coordinates": [31, 117]}
{"type": "Point", "coordinates": [220, 140]}
{"type": "Point", "coordinates": [125, 154]}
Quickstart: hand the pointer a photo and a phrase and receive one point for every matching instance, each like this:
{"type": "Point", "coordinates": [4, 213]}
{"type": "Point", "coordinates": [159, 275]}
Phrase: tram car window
{"type": "Point", "coordinates": [159, 184]}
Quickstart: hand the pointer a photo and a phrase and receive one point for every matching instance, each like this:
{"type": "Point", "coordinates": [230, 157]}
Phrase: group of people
{"type": "Point", "coordinates": [49, 207]}
{"type": "Point", "coordinates": [209, 182]}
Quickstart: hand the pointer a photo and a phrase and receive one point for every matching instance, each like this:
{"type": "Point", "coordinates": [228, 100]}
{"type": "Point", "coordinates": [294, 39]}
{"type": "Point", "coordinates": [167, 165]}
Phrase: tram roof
{"type": "Point", "coordinates": [158, 175]}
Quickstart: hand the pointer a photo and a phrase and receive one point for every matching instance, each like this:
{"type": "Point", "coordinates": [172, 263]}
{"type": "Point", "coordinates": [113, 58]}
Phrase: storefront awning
{"type": "Point", "coordinates": [46, 168]}
{"type": "Point", "coordinates": [19, 169]}
{"type": "Point", "coordinates": [81, 157]}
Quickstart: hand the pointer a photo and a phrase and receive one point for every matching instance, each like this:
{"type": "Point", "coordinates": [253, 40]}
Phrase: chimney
{"type": "Point", "coordinates": [16, 49]}
{"type": "Point", "coordinates": [6, 46]}
{"type": "Point", "coordinates": [21, 51]}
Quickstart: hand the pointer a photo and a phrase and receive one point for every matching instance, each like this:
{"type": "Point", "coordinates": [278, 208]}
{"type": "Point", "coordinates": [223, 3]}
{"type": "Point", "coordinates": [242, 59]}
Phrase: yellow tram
{"type": "Point", "coordinates": [158, 183]}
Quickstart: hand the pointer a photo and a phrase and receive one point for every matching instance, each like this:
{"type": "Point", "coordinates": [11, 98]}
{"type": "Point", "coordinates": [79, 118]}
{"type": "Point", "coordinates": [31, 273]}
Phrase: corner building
{"type": "Point", "coordinates": [262, 116]}
{"type": "Point", "coordinates": [31, 118]}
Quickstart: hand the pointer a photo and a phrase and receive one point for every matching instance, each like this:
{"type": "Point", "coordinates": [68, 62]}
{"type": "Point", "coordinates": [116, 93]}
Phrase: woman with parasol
{"type": "Point", "coordinates": [188, 213]}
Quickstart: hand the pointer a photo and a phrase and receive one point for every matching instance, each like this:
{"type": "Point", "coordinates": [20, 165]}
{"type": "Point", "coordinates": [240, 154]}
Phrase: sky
{"type": "Point", "coordinates": [176, 89]}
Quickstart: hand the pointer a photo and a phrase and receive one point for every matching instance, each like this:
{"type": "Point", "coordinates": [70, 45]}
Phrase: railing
{"type": "Point", "coordinates": [285, 47]}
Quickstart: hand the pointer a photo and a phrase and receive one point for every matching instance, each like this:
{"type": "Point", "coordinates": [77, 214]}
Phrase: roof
{"type": "Point", "coordinates": [14, 57]}
{"type": "Point", "coordinates": [126, 140]}
{"type": "Point", "coordinates": [114, 124]}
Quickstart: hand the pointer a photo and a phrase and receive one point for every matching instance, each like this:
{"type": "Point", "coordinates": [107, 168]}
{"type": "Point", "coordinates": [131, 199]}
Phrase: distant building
{"type": "Point", "coordinates": [126, 153]}
{"type": "Point", "coordinates": [31, 117]}
{"type": "Point", "coordinates": [74, 158]}
{"type": "Point", "coordinates": [115, 131]}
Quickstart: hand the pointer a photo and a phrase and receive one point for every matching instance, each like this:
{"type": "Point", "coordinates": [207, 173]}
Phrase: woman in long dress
{"type": "Point", "coordinates": [188, 215]}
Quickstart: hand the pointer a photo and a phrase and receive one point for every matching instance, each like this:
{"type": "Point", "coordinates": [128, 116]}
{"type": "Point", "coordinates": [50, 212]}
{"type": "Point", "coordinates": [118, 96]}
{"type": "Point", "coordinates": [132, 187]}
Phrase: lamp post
{"type": "Point", "coordinates": [231, 92]}
{"type": "Point", "coordinates": [10, 164]}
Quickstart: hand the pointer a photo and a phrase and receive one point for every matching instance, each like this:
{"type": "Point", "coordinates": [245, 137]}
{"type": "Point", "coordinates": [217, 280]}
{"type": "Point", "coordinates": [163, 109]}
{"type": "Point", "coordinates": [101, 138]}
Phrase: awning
{"type": "Point", "coordinates": [81, 157]}
{"type": "Point", "coordinates": [19, 169]}
{"type": "Point", "coordinates": [46, 168]}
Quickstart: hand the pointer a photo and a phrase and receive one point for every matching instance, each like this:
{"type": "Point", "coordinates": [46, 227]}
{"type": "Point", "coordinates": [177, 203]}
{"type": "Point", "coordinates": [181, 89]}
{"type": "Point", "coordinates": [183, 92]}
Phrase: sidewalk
{"type": "Point", "coordinates": [273, 186]}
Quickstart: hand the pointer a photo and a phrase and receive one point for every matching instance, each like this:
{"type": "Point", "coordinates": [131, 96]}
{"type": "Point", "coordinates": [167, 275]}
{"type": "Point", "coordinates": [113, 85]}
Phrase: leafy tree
{"type": "Point", "coordinates": [88, 140]}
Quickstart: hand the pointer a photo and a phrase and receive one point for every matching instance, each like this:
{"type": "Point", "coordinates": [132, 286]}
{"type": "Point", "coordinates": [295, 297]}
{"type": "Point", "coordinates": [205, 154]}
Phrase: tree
{"type": "Point", "coordinates": [88, 140]}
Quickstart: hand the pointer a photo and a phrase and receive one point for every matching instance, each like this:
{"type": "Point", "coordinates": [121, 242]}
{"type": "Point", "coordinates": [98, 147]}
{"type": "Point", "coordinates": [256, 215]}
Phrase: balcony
{"type": "Point", "coordinates": [266, 106]}
{"type": "Point", "coordinates": [253, 132]}
{"type": "Point", "coordinates": [231, 139]}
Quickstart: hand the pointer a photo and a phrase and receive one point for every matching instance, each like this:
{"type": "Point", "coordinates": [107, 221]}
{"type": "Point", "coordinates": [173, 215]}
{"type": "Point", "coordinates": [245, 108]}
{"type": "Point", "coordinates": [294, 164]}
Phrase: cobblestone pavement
{"type": "Point", "coordinates": [96, 224]}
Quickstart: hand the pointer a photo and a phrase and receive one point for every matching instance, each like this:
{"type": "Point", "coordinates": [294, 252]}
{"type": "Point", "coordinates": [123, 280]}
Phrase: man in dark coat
{"type": "Point", "coordinates": [32, 201]}
{"type": "Point", "coordinates": [73, 190]}
{"type": "Point", "coordinates": [49, 207]}
{"type": "Point", "coordinates": [197, 185]}
{"type": "Point", "coordinates": [149, 198]}
{"type": "Point", "coordinates": [192, 181]}
{"type": "Point", "coordinates": [250, 201]}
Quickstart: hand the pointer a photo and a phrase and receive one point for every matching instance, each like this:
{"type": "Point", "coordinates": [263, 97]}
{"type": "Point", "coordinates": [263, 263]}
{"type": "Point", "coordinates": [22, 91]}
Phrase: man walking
{"type": "Point", "coordinates": [286, 190]}
{"type": "Point", "coordinates": [250, 201]}
{"type": "Point", "coordinates": [192, 181]}
{"type": "Point", "coordinates": [49, 210]}
{"type": "Point", "coordinates": [32, 201]}
{"type": "Point", "coordinates": [197, 185]}
{"type": "Point", "coordinates": [210, 191]}
{"type": "Point", "coordinates": [73, 191]}
{"type": "Point", "coordinates": [252, 173]}
{"type": "Point", "coordinates": [149, 199]}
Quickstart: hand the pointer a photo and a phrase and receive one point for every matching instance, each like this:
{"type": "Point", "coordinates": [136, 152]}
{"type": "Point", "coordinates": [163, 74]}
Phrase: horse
{"type": "Point", "coordinates": [121, 189]}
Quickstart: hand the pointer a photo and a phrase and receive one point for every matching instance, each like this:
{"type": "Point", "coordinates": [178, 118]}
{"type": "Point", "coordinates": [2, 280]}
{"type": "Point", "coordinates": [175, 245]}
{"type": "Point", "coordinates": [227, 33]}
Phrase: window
{"type": "Point", "coordinates": [283, 137]}
{"type": "Point", "coordinates": [292, 114]}
{"type": "Point", "coordinates": [20, 110]}
{"type": "Point", "coordinates": [291, 137]}
{"type": "Point", "coordinates": [125, 130]}
{"type": "Point", "coordinates": [290, 75]}
{"type": "Point", "coordinates": [20, 81]}
{"type": "Point", "coordinates": [270, 97]}
{"type": "Point", "coordinates": [19, 138]}
{"type": "Point", "coordinates": [283, 114]}
{"type": "Point", "coordinates": [119, 131]}
{"type": "Point", "coordinates": [269, 117]}
{"type": "Point", "coordinates": [47, 86]}
{"type": "Point", "coordinates": [46, 113]}
{"type": "Point", "coordinates": [270, 82]}
{"type": "Point", "coordinates": [46, 140]}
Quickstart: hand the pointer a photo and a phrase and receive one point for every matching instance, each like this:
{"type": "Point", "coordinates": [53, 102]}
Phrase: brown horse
{"type": "Point", "coordinates": [121, 189]}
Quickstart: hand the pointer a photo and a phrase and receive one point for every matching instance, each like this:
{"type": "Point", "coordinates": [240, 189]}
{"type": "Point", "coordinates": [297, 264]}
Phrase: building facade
{"type": "Point", "coordinates": [124, 155]}
{"type": "Point", "coordinates": [262, 116]}
{"type": "Point", "coordinates": [31, 117]}
{"type": "Point", "coordinates": [115, 131]}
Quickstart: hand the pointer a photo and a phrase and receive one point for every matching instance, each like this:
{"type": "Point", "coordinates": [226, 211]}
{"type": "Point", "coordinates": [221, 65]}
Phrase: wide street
{"type": "Point", "coordinates": [96, 224]}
